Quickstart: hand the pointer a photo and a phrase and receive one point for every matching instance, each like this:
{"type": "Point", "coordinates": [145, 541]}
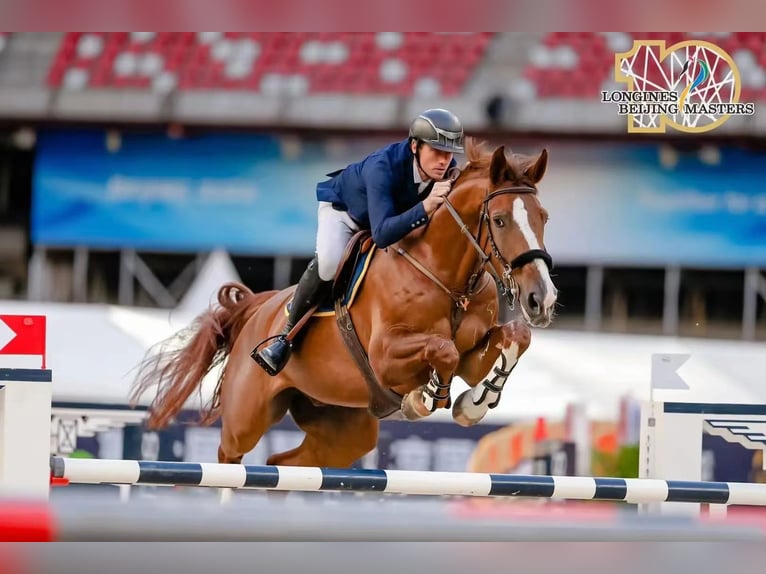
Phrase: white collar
{"type": "Point", "coordinates": [416, 173]}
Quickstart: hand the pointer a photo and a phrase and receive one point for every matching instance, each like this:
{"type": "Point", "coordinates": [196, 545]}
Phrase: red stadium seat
{"type": "Point", "coordinates": [331, 62]}
{"type": "Point", "coordinates": [595, 62]}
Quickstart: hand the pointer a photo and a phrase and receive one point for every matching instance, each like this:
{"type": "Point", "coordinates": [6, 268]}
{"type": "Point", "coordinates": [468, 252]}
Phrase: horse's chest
{"type": "Point", "coordinates": [414, 311]}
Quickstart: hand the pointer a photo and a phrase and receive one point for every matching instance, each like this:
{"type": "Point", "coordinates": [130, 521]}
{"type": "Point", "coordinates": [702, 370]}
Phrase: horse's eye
{"type": "Point", "coordinates": [498, 221]}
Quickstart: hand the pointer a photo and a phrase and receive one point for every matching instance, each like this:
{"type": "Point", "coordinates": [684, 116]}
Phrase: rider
{"type": "Point", "coordinates": [391, 192]}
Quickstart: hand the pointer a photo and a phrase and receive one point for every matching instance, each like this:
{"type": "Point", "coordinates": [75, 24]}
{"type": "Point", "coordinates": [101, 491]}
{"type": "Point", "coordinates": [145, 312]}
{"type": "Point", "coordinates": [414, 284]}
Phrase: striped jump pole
{"type": "Point", "coordinates": [285, 478]}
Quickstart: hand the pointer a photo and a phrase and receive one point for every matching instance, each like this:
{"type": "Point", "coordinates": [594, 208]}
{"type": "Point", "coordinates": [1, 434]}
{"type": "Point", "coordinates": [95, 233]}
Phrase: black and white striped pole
{"type": "Point", "coordinates": [428, 483]}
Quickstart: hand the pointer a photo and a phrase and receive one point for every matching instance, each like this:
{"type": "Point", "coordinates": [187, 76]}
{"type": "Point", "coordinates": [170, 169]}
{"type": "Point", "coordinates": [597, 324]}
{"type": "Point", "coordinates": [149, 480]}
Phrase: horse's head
{"type": "Point", "coordinates": [511, 228]}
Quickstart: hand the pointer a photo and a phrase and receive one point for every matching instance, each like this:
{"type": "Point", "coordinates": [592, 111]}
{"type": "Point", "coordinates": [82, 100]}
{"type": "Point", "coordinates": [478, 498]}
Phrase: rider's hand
{"type": "Point", "coordinates": [436, 197]}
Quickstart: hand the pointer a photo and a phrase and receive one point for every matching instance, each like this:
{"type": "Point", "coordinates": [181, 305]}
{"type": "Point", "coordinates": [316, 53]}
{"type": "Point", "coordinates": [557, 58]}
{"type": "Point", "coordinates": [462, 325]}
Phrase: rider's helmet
{"type": "Point", "coordinates": [439, 128]}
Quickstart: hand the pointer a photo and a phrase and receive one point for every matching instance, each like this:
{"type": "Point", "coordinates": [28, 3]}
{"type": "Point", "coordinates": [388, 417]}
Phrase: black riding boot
{"type": "Point", "coordinates": [274, 357]}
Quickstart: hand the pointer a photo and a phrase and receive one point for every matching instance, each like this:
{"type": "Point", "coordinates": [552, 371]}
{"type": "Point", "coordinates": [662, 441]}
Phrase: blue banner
{"type": "Point", "coordinates": [248, 194]}
{"type": "Point", "coordinates": [649, 204]}
{"type": "Point", "coordinates": [621, 204]}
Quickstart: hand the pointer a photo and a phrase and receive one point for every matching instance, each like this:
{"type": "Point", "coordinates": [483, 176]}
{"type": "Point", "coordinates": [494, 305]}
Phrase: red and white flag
{"type": "Point", "coordinates": [22, 335]}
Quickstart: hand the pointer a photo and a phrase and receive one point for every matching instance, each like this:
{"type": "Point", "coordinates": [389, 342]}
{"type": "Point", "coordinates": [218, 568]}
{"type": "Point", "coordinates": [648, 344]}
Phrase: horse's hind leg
{"type": "Point", "coordinates": [335, 436]}
{"type": "Point", "coordinates": [249, 406]}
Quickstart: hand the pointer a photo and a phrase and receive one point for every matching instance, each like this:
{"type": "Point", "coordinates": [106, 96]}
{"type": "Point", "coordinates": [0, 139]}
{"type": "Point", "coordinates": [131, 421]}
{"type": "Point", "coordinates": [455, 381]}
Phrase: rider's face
{"type": "Point", "coordinates": [433, 162]}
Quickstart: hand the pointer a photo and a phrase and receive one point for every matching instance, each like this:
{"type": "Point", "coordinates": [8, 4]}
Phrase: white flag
{"type": "Point", "coordinates": [664, 367]}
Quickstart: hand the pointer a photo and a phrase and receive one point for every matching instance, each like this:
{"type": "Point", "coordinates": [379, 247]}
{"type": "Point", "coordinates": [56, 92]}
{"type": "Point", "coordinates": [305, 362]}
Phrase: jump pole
{"type": "Point", "coordinates": [286, 478]}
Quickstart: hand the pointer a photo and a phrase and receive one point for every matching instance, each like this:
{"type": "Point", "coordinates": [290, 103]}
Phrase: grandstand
{"type": "Point", "coordinates": [295, 64]}
{"type": "Point", "coordinates": [558, 64]}
{"type": "Point", "coordinates": [524, 81]}
{"type": "Point", "coordinates": [504, 85]}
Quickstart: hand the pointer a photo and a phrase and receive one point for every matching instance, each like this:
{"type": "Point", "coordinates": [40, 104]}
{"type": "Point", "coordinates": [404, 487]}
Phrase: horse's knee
{"type": "Point", "coordinates": [235, 443]}
{"type": "Point", "coordinates": [225, 457]}
{"type": "Point", "coordinates": [243, 425]}
{"type": "Point", "coordinates": [516, 332]}
{"type": "Point", "coordinates": [442, 354]}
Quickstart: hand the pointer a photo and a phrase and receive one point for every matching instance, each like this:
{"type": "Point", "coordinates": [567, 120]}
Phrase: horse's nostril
{"type": "Point", "coordinates": [534, 303]}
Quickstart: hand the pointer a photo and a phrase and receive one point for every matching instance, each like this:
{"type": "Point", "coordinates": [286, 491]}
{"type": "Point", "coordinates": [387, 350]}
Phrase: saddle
{"type": "Point", "coordinates": [359, 245]}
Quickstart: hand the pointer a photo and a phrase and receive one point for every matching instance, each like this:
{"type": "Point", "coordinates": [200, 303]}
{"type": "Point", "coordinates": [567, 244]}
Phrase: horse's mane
{"type": "Point", "coordinates": [478, 154]}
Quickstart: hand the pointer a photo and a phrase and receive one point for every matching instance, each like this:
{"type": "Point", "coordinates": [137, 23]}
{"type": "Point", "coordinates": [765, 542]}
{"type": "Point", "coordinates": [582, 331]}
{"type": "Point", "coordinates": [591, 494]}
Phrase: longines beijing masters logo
{"type": "Point", "coordinates": [691, 86]}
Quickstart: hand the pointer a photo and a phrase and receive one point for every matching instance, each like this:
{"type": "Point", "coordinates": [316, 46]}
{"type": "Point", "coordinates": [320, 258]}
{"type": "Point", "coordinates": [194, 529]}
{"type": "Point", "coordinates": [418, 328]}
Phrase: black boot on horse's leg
{"type": "Point", "coordinates": [274, 357]}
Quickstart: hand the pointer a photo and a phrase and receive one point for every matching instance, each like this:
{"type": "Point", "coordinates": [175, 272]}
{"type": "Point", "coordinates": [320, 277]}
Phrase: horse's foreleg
{"type": "Point", "coordinates": [402, 356]}
{"type": "Point", "coordinates": [443, 357]}
{"type": "Point", "coordinates": [486, 370]}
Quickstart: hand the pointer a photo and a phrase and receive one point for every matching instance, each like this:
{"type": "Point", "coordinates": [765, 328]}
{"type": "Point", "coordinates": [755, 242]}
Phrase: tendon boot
{"type": "Point", "coordinates": [274, 357]}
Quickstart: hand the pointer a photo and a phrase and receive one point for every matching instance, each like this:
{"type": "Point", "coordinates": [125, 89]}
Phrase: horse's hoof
{"type": "Point", "coordinates": [413, 407]}
{"type": "Point", "coordinates": [465, 413]}
{"type": "Point", "coordinates": [462, 419]}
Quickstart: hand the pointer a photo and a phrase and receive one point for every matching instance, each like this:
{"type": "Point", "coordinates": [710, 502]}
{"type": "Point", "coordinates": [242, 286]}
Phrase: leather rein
{"type": "Point", "coordinates": [507, 284]}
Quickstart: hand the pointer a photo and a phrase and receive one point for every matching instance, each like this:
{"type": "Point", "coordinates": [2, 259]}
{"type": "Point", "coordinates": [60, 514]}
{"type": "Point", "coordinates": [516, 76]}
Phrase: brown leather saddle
{"type": "Point", "coordinates": [359, 245]}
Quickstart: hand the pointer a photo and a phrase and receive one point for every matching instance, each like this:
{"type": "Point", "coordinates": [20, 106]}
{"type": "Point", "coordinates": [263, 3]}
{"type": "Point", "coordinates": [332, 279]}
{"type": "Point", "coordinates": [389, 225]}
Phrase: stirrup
{"type": "Point", "coordinates": [263, 364]}
{"type": "Point", "coordinates": [255, 354]}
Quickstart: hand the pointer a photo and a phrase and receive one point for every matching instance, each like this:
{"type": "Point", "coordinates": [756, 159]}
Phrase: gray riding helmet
{"type": "Point", "coordinates": [439, 128]}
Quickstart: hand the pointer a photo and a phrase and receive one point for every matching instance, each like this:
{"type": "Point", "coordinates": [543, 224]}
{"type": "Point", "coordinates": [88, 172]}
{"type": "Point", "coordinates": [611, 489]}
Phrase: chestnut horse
{"type": "Point", "coordinates": [427, 311]}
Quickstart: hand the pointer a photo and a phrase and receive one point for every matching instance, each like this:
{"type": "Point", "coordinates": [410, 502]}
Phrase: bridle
{"type": "Point", "coordinates": [507, 284]}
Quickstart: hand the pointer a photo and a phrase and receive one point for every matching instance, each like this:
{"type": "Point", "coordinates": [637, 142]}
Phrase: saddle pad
{"type": "Point", "coordinates": [327, 308]}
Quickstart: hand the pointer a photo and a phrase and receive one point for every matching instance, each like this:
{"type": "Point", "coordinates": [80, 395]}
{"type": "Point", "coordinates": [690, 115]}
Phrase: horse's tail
{"type": "Point", "coordinates": [178, 372]}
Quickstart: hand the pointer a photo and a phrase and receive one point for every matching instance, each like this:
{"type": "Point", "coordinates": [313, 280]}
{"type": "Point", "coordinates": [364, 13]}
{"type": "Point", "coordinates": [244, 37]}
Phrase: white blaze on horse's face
{"type": "Point", "coordinates": [530, 304]}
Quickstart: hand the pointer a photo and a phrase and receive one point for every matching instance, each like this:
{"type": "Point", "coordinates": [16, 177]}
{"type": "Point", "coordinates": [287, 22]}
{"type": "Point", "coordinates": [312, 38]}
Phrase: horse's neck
{"type": "Point", "coordinates": [444, 248]}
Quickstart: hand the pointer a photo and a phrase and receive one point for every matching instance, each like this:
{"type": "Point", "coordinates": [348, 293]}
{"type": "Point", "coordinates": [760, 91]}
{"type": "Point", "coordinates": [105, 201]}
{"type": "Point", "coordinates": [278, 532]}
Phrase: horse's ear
{"type": "Point", "coordinates": [536, 170]}
{"type": "Point", "coordinates": [498, 166]}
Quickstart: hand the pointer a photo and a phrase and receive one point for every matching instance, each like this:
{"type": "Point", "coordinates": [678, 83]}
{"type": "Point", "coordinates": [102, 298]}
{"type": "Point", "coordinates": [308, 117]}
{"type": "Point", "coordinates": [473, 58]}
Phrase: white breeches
{"type": "Point", "coordinates": [334, 230]}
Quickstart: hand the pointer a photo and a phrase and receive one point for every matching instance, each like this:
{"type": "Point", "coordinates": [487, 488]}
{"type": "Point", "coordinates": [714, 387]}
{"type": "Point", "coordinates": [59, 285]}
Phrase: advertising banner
{"type": "Point", "coordinates": [248, 194]}
{"type": "Point", "coordinates": [610, 203]}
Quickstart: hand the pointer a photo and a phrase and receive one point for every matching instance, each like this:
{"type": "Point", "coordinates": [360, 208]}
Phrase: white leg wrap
{"type": "Point", "coordinates": [472, 405]}
{"type": "Point", "coordinates": [434, 391]}
{"type": "Point", "coordinates": [422, 401]}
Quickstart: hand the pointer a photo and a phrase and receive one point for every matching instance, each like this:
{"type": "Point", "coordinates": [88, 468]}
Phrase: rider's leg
{"type": "Point", "coordinates": [335, 228]}
{"type": "Point", "coordinates": [274, 357]}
